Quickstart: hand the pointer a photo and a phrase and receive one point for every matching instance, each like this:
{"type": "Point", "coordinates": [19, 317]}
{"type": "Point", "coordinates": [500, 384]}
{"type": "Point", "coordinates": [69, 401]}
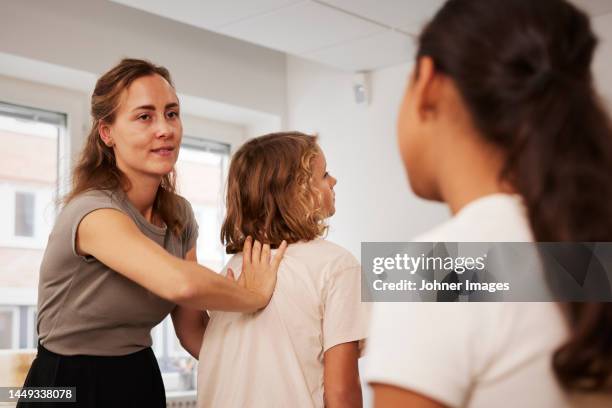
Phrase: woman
{"type": "Point", "coordinates": [501, 122]}
{"type": "Point", "coordinates": [122, 254]}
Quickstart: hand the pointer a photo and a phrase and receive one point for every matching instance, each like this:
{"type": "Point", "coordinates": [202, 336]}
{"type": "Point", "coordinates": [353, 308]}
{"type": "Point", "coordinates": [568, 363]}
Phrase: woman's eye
{"type": "Point", "coordinates": [326, 174]}
{"type": "Point", "coordinates": [144, 117]}
{"type": "Point", "coordinates": [173, 114]}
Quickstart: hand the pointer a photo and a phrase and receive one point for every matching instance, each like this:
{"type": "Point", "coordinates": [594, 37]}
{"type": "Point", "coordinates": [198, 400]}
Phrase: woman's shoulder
{"type": "Point", "coordinates": [182, 201]}
{"type": "Point", "coordinates": [92, 199]}
{"type": "Point", "coordinates": [186, 214]}
{"type": "Point", "coordinates": [79, 206]}
{"type": "Point", "coordinates": [183, 206]}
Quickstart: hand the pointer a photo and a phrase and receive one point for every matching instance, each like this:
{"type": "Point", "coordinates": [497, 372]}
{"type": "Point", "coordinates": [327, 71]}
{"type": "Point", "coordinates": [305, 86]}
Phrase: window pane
{"type": "Point", "coordinates": [201, 174]}
{"type": "Point", "coordinates": [6, 329]}
{"type": "Point", "coordinates": [24, 214]}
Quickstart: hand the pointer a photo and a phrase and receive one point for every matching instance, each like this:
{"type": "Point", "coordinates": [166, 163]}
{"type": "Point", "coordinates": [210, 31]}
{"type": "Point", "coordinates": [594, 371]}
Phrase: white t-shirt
{"type": "Point", "coordinates": [476, 355]}
{"type": "Point", "coordinates": [274, 358]}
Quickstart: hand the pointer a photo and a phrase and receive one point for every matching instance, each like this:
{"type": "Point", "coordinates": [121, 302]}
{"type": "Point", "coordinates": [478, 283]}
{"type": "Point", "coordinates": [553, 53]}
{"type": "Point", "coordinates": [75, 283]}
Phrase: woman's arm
{"type": "Point", "coordinates": [341, 376]}
{"type": "Point", "coordinates": [388, 396]}
{"type": "Point", "coordinates": [190, 324]}
{"type": "Point", "coordinates": [115, 240]}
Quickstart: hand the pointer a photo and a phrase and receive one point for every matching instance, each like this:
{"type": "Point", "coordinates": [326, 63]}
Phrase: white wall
{"type": "Point", "coordinates": [373, 199]}
{"type": "Point", "coordinates": [602, 64]}
{"type": "Point", "coordinates": [93, 35]}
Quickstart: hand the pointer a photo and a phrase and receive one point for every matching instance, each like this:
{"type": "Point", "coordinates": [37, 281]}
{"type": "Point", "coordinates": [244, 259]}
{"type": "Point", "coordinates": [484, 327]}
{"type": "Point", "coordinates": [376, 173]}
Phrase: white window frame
{"type": "Point", "coordinates": [31, 328]}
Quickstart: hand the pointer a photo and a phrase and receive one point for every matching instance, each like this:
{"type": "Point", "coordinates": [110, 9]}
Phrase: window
{"type": "Point", "coordinates": [24, 214]}
{"type": "Point", "coordinates": [29, 171]}
{"type": "Point", "coordinates": [31, 331]}
{"type": "Point", "coordinates": [201, 170]}
{"type": "Point", "coordinates": [9, 327]}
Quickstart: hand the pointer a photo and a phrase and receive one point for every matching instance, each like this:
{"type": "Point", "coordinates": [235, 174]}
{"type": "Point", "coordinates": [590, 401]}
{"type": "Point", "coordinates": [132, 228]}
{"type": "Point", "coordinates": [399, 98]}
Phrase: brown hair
{"type": "Point", "coordinates": [268, 192]}
{"type": "Point", "coordinates": [523, 70]}
{"type": "Point", "coordinates": [96, 168]}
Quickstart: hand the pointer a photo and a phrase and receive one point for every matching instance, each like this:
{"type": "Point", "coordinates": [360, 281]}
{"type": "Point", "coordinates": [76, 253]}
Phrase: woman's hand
{"type": "Point", "coordinates": [258, 273]}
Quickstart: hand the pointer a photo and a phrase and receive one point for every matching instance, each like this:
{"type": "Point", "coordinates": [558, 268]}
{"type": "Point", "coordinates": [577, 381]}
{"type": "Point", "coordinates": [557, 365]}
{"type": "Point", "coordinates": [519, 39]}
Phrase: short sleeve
{"type": "Point", "coordinates": [190, 234]}
{"type": "Point", "coordinates": [345, 316]}
{"type": "Point", "coordinates": [429, 348]}
{"type": "Point", "coordinates": [79, 207]}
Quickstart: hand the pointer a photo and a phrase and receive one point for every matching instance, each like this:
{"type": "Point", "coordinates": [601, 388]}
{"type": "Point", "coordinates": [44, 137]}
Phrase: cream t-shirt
{"type": "Point", "coordinates": [274, 358]}
{"type": "Point", "coordinates": [476, 355]}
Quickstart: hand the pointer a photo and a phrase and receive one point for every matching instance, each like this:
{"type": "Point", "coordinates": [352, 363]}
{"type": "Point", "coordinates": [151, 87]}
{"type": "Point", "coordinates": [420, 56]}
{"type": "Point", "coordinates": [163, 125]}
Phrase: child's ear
{"type": "Point", "coordinates": [426, 87]}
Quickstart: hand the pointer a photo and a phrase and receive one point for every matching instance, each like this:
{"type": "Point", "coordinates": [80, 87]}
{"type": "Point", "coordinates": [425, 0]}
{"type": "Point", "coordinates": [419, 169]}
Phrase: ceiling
{"type": "Point", "coordinates": [352, 35]}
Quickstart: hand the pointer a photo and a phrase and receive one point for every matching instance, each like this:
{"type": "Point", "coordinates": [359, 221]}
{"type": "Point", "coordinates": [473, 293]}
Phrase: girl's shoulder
{"type": "Point", "coordinates": [326, 251]}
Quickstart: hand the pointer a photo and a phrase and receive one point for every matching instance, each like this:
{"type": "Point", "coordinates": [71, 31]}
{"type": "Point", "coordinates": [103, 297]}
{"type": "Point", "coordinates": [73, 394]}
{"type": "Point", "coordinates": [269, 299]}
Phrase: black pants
{"type": "Point", "coordinates": [101, 382]}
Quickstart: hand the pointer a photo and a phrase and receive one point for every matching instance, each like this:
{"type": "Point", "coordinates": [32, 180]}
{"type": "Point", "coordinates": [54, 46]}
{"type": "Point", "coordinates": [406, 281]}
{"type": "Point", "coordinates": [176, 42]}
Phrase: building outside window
{"type": "Point", "coordinates": [24, 214]}
{"type": "Point", "coordinates": [9, 327]}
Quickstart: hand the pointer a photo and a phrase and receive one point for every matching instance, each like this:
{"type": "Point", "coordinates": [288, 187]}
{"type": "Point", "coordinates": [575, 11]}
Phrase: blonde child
{"type": "Point", "coordinates": [302, 350]}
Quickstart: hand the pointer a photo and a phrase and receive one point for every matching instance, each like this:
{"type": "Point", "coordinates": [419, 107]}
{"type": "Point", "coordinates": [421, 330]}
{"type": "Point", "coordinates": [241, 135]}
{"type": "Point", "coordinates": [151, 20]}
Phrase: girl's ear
{"type": "Point", "coordinates": [425, 87]}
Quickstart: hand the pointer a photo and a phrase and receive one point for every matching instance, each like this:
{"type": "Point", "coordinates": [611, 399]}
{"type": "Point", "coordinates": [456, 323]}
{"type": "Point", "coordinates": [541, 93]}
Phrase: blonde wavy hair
{"type": "Point", "coordinates": [269, 192]}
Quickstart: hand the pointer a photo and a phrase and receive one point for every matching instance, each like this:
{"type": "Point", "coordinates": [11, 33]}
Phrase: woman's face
{"type": "Point", "coordinates": [324, 183]}
{"type": "Point", "coordinates": [147, 131]}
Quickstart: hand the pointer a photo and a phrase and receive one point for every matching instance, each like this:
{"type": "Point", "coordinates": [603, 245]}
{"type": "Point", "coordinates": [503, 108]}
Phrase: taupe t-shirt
{"type": "Point", "coordinates": [84, 307]}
